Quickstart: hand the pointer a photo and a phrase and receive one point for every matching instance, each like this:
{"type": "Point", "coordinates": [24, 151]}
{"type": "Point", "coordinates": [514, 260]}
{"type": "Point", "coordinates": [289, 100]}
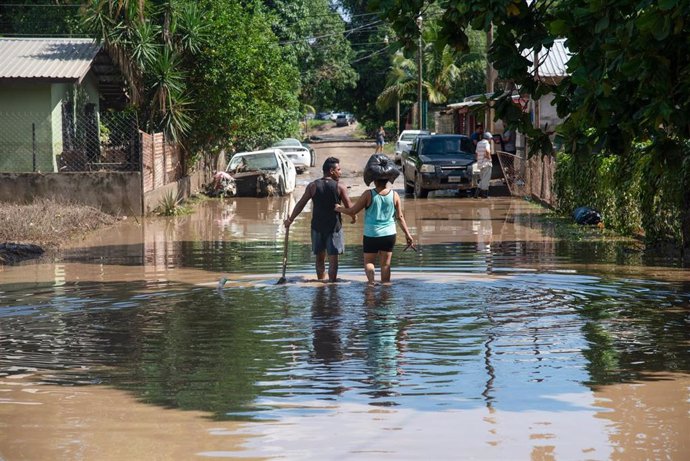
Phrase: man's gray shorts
{"type": "Point", "coordinates": [331, 242]}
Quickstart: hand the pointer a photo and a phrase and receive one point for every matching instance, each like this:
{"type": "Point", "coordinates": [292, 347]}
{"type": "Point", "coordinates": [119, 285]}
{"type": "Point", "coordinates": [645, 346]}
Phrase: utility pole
{"type": "Point", "coordinates": [419, 75]}
{"type": "Point", "coordinates": [490, 79]}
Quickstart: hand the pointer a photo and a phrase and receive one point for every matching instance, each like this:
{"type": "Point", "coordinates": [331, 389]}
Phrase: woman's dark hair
{"type": "Point", "coordinates": [330, 162]}
{"type": "Point", "coordinates": [380, 182]}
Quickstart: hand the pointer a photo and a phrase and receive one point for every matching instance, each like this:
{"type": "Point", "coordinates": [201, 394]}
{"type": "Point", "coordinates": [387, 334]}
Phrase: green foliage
{"type": "Point", "coordinates": [246, 92]}
{"type": "Point", "coordinates": [629, 72]}
{"type": "Point", "coordinates": [633, 195]}
{"type": "Point", "coordinates": [154, 45]}
{"type": "Point", "coordinates": [312, 36]}
{"type": "Point", "coordinates": [41, 18]}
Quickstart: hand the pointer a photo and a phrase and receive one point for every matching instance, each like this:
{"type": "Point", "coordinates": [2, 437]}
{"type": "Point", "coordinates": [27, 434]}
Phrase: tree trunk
{"type": "Point", "coordinates": [685, 225]}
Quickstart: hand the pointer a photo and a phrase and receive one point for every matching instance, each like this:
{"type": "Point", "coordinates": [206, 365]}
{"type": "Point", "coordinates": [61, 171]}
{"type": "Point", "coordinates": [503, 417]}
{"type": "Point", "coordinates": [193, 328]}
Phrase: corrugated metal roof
{"type": "Point", "coordinates": [553, 61]}
{"type": "Point", "coordinates": [47, 58]}
{"type": "Point", "coordinates": [458, 105]}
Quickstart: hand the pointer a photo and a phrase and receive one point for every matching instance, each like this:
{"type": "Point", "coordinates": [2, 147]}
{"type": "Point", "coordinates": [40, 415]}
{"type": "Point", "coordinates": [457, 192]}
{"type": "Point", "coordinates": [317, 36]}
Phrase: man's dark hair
{"type": "Point", "coordinates": [330, 162]}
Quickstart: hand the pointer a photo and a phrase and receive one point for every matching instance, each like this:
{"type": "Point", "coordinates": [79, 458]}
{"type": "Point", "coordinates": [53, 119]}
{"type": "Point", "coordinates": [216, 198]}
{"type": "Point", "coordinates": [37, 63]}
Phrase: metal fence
{"type": "Point", "coordinates": [69, 140]}
{"type": "Point", "coordinates": [531, 177]}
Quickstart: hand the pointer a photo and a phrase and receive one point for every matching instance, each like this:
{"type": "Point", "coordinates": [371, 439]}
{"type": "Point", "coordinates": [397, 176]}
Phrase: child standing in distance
{"type": "Point", "coordinates": [380, 140]}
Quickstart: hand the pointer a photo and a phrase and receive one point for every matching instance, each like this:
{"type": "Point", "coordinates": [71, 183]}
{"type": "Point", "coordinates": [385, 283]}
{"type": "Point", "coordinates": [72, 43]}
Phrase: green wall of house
{"type": "Point", "coordinates": [25, 127]}
{"type": "Point", "coordinates": [31, 123]}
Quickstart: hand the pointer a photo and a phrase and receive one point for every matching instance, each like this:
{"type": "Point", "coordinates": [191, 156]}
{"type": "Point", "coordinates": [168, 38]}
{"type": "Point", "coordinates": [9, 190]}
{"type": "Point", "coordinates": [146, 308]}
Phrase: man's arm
{"type": "Point", "coordinates": [308, 194]}
{"type": "Point", "coordinates": [346, 200]}
{"type": "Point", "coordinates": [362, 203]}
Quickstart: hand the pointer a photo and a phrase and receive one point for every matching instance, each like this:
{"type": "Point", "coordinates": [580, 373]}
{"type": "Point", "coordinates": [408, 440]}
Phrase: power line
{"type": "Point", "coordinates": [377, 52]}
{"type": "Point", "coordinates": [345, 32]}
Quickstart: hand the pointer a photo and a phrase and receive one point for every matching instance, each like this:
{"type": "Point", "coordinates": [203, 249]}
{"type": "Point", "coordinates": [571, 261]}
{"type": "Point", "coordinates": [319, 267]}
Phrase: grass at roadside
{"type": "Point", "coordinates": [49, 223]}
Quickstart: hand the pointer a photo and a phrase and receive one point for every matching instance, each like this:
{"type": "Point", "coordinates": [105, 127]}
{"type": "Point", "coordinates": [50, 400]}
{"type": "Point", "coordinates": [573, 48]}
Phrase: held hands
{"type": "Point", "coordinates": [341, 209]}
{"type": "Point", "coordinates": [287, 222]}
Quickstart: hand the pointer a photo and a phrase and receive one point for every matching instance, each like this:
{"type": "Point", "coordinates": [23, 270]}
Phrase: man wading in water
{"type": "Point", "coordinates": [326, 224]}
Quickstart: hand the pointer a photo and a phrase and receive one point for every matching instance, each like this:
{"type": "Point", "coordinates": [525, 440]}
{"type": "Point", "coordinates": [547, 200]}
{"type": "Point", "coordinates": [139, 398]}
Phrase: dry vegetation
{"type": "Point", "coordinates": [49, 223]}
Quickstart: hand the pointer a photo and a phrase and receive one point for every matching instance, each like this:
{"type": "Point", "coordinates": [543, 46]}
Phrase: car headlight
{"type": "Point", "coordinates": [427, 168]}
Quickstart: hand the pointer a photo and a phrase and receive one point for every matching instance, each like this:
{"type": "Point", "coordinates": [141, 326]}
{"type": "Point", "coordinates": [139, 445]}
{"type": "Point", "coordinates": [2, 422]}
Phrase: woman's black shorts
{"type": "Point", "coordinates": [376, 244]}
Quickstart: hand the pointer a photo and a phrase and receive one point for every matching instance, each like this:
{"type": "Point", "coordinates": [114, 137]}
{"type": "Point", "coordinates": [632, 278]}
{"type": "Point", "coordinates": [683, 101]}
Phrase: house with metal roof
{"type": "Point", "coordinates": [550, 66]}
{"type": "Point", "coordinates": [51, 90]}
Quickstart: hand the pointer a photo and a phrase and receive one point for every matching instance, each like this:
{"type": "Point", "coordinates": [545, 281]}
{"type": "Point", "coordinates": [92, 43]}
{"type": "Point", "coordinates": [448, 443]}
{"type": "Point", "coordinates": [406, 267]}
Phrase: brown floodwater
{"type": "Point", "coordinates": [497, 340]}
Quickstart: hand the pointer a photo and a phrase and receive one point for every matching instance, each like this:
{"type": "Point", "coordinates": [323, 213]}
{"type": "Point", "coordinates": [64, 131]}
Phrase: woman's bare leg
{"type": "Point", "coordinates": [385, 258]}
{"type": "Point", "coordinates": [369, 259]}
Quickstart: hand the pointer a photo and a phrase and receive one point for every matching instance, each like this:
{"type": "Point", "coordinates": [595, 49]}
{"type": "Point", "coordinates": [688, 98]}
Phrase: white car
{"type": "Point", "coordinates": [274, 163]}
{"type": "Point", "coordinates": [405, 141]}
{"type": "Point", "coordinates": [301, 155]}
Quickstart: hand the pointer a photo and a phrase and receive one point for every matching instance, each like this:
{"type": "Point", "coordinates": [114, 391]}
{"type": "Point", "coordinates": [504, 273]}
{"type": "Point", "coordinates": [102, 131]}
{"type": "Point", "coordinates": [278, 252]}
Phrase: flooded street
{"type": "Point", "coordinates": [497, 340]}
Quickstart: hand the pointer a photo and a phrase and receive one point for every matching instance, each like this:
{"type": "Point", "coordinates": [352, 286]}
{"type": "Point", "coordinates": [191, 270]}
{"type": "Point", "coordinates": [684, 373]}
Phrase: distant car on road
{"type": "Point", "coordinates": [405, 141]}
{"type": "Point", "coordinates": [437, 162]}
{"type": "Point", "coordinates": [341, 120]}
{"type": "Point", "coordinates": [258, 171]}
{"type": "Point", "coordinates": [302, 155]}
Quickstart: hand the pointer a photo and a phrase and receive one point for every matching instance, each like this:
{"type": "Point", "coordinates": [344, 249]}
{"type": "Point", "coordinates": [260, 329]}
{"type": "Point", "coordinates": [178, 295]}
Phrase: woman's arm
{"type": "Point", "coordinates": [363, 202]}
{"type": "Point", "coordinates": [401, 218]}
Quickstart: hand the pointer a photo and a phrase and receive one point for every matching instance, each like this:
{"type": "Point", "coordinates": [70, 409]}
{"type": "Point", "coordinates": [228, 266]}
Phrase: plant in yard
{"type": "Point", "coordinates": [171, 205]}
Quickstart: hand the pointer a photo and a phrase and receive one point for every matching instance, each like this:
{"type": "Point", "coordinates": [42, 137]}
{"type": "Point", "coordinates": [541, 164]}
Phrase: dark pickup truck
{"type": "Point", "coordinates": [438, 162]}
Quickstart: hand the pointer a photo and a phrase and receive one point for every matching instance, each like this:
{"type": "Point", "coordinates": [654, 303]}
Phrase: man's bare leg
{"type": "Point", "coordinates": [369, 270]}
{"type": "Point", "coordinates": [332, 268]}
{"type": "Point", "coordinates": [321, 265]}
{"type": "Point", "coordinates": [385, 260]}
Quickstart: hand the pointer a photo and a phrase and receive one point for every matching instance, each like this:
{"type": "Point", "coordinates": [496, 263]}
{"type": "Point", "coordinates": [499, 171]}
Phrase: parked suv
{"type": "Point", "coordinates": [438, 162]}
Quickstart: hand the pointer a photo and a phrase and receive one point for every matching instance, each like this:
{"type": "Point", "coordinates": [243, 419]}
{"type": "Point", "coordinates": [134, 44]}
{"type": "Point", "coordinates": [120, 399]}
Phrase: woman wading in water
{"type": "Point", "coordinates": [382, 207]}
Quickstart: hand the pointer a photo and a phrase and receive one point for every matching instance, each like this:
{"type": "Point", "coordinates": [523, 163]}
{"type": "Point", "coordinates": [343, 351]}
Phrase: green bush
{"type": "Point", "coordinates": [640, 193]}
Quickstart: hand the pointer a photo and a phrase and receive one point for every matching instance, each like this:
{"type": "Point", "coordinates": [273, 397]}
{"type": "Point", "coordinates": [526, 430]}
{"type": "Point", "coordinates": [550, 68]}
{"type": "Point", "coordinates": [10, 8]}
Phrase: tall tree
{"type": "Point", "coordinates": [313, 36]}
{"type": "Point", "coordinates": [246, 90]}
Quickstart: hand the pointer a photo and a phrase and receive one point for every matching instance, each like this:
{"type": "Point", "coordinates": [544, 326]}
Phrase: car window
{"type": "Point", "coordinates": [408, 137]}
{"type": "Point", "coordinates": [265, 161]}
{"type": "Point", "coordinates": [288, 142]}
{"type": "Point", "coordinates": [440, 146]}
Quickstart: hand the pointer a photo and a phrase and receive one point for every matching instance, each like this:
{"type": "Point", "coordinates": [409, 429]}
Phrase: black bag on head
{"type": "Point", "coordinates": [380, 166]}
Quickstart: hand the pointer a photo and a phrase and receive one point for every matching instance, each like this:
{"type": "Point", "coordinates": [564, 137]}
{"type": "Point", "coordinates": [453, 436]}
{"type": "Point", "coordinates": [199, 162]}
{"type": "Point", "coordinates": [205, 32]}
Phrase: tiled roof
{"type": "Point", "coordinates": [46, 58]}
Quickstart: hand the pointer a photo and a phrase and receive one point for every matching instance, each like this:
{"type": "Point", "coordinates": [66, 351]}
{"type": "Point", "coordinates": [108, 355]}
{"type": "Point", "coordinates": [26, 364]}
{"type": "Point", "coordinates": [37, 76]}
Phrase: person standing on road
{"type": "Point", "coordinates": [509, 138]}
{"type": "Point", "coordinates": [382, 206]}
{"type": "Point", "coordinates": [380, 140]}
{"type": "Point", "coordinates": [477, 134]}
{"type": "Point", "coordinates": [326, 224]}
{"type": "Point", "coordinates": [483, 156]}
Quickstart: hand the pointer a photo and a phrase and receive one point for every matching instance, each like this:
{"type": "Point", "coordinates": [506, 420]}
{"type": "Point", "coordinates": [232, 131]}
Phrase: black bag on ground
{"type": "Point", "coordinates": [586, 216]}
{"type": "Point", "coordinates": [380, 166]}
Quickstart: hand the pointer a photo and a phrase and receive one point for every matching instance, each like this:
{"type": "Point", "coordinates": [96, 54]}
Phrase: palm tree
{"type": "Point", "coordinates": [152, 45]}
{"type": "Point", "coordinates": [442, 71]}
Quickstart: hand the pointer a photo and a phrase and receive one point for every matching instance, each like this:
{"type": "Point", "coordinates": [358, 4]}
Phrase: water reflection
{"type": "Point", "coordinates": [326, 324]}
{"type": "Point", "coordinates": [490, 328]}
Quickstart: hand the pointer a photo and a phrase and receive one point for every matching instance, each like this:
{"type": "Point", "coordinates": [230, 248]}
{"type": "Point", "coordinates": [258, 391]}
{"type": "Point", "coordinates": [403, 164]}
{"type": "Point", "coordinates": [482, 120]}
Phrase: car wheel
{"type": "Point", "coordinates": [313, 158]}
{"type": "Point", "coordinates": [419, 191]}
{"type": "Point", "coordinates": [281, 187]}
